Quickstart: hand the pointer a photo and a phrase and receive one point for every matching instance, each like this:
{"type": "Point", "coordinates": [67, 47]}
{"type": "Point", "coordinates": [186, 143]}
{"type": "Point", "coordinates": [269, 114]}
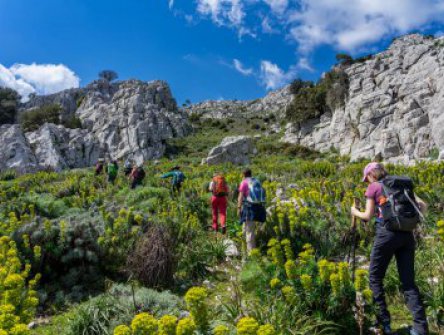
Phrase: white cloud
{"type": "Point", "coordinates": [170, 4]}
{"type": "Point", "coordinates": [274, 77]}
{"type": "Point", "coordinates": [350, 25]}
{"type": "Point", "coordinates": [38, 78]}
{"type": "Point", "coordinates": [277, 6]}
{"type": "Point", "coordinates": [241, 68]}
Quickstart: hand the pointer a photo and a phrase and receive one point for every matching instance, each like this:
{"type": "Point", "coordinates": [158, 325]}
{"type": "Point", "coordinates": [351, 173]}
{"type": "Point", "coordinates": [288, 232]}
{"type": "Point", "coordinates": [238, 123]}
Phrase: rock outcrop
{"type": "Point", "coordinates": [15, 153]}
{"type": "Point", "coordinates": [273, 103]}
{"type": "Point", "coordinates": [394, 110]}
{"type": "Point", "coordinates": [129, 118]}
{"type": "Point", "coordinates": [233, 149]}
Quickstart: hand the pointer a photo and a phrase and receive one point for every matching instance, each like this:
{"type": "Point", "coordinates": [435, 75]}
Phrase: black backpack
{"type": "Point", "coordinates": [399, 208]}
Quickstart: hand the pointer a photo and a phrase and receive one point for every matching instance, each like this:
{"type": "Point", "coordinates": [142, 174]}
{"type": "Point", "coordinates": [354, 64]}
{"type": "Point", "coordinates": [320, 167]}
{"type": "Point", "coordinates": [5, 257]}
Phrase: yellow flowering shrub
{"type": "Point", "coordinates": [247, 326]}
{"type": "Point", "coordinates": [144, 324]}
{"type": "Point", "coordinates": [195, 299]}
{"type": "Point", "coordinates": [291, 269]}
{"type": "Point", "coordinates": [167, 325]}
{"type": "Point", "coordinates": [122, 330]}
{"type": "Point", "coordinates": [275, 283]}
{"type": "Point", "coordinates": [221, 330]}
{"type": "Point", "coordinates": [361, 280]}
{"type": "Point", "coordinates": [18, 300]}
{"type": "Point", "coordinates": [186, 326]}
{"type": "Point", "coordinates": [266, 329]}
{"type": "Point", "coordinates": [440, 225]}
{"type": "Point", "coordinates": [306, 282]}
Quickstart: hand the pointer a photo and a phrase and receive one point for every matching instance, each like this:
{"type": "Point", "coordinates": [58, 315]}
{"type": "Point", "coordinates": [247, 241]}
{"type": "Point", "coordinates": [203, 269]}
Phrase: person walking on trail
{"type": "Point", "coordinates": [177, 178]}
{"type": "Point", "coordinates": [251, 207]}
{"type": "Point", "coordinates": [127, 167]}
{"type": "Point", "coordinates": [219, 201]}
{"type": "Point", "coordinates": [99, 167]}
{"type": "Point", "coordinates": [137, 175]}
{"type": "Point", "coordinates": [112, 170]}
{"type": "Point", "coordinates": [394, 237]}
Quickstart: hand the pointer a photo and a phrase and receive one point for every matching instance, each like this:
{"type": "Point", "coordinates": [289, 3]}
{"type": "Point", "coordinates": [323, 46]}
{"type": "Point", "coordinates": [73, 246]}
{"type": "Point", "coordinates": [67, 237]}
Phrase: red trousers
{"type": "Point", "coordinates": [219, 205]}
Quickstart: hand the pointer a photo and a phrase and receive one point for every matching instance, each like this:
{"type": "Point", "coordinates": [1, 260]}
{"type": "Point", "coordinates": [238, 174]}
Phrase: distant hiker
{"type": "Point", "coordinates": [112, 170]}
{"type": "Point", "coordinates": [251, 207]}
{"type": "Point", "coordinates": [137, 175]}
{"type": "Point", "coordinates": [219, 201]}
{"type": "Point", "coordinates": [177, 178]}
{"type": "Point", "coordinates": [99, 166]}
{"type": "Point", "coordinates": [127, 167]}
{"type": "Point", "coordinates": [394, 237]}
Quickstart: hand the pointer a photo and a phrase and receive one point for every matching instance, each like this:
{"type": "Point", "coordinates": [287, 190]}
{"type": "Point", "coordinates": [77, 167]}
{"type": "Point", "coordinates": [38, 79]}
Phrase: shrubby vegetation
{"type": "Point", "coordinates": [312, 100]}
{"type": "Point", "coordinates": [9, 100]}
{"type": "Point", "coordinates": [32, 120]}
{"type": "Point", "coordinates": [88, 250]}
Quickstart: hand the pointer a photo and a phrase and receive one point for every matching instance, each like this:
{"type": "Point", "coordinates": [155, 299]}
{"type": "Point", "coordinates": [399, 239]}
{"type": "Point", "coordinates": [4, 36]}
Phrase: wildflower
{"type": "Point", "coordinates": [368, 294]}
{"type": "Point", "coordinates": [221, 330]}
{"type": "Point", "coordinates": [186, 326]}
{"type": "Point", "coordinates": [167, 325]}
{"type": "Point", "coordinates": [306, 282]}
{"type": "Point", "coordinates": [266, 329]}
{"type": "Point", "coordinates": [287, 249]}
{"type": "Point", "coordinates": [291, 269]}
{"type": "Point", "coordinates": [324, 270]}
{"type": "Point", "coordinates": [344, 273]}
{"type": "Point", "coordinates": [247, 326]}
{"type": "Point", "coordinates": [195, 300]}
{"type": "Point", "coordinates": [144, 324]}
{"type": "Point", "coordinates": [335, 283]}
{"type": "Point", "coordinates": [361, 280]}
{"type": "Point", "coordinates": [122, 330]}
{"type": "Point", "coordinates": [275, 282]}
{"type": "Point", "coordinates": [289, 294]}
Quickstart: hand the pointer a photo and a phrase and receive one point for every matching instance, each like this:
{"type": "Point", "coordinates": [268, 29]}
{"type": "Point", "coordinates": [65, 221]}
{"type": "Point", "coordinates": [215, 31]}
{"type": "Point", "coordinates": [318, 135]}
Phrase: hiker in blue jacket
{"type": "Point", "coordinates": [177, 178]}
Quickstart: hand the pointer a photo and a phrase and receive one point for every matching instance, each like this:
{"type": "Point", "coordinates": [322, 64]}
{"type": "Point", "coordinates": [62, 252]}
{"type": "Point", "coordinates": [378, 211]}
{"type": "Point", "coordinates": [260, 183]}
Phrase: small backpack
{"type": "Point", "coordinates": [220, 186]}
{"type": "Point", "coordinates": [256, 193]}
{"type": "Point", "coordinates": [139, 174]}
{"type": "Point", "coordinates": [180, 177]}
{"type": "Point", "coordinates": [398, 205]}
{"type": "Point", "coordinates": [112, 170]}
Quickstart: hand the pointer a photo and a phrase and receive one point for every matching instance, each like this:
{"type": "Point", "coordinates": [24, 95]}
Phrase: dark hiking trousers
{"type": "Point", "coordinates": [401, 245]}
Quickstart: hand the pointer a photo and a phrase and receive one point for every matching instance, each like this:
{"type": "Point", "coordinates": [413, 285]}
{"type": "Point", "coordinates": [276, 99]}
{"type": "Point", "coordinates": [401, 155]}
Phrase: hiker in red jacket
{"type": "Point", "coordinates": [219, 201]}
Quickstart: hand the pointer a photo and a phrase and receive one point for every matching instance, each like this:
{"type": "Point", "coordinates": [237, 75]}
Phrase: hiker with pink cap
{"type": "Point", "coordinates": [397, 211]}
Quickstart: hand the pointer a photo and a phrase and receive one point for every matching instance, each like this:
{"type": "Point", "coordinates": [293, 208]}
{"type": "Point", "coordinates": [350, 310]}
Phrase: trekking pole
{"type": "Point", "coordinates": [352, 250]}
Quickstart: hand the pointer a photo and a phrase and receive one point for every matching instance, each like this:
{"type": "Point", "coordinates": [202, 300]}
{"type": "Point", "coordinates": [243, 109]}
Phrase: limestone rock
{"type": "Point", "coordinates": [273, 103]}
{"type": "Point", "coordinates": [233, 149]}
{"type": "Point", "coordinates": [58, 148]}
{"type": "Point", "coordinates": [16, 153]}
{"type": "Point", "coordinates": [394, 109]}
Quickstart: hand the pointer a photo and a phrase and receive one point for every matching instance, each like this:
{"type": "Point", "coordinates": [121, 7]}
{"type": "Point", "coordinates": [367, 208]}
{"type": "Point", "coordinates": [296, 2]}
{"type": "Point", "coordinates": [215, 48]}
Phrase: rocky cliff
{"type": "Point", "coordinates": [394, 107]}
{"type": "Point", "coordinates": [394, 110]}
{"type": "Point", "coordinates": [273, 103]}
{"type": "Point", "coordinates": [129, 118]}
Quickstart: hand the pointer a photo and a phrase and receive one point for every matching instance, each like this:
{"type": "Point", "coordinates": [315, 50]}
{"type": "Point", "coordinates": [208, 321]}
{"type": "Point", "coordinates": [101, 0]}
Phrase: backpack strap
{"type": "Point", "coordinates": [414, 205]}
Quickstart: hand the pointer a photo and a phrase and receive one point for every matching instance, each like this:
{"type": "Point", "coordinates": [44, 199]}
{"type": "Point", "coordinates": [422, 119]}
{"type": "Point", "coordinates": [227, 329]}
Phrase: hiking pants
{"type": "Point", "coordinates": [219, 207]}
{"type": "Point", "coordinates": [249, 231]}
{"type": "Point", "coordinates": [401, 245]}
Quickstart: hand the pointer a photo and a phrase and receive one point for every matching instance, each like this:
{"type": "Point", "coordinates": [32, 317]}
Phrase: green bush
{"type": "Point", "coordinates": [9, 100]}
{"type": "Point", "coordinates": [33, 119]}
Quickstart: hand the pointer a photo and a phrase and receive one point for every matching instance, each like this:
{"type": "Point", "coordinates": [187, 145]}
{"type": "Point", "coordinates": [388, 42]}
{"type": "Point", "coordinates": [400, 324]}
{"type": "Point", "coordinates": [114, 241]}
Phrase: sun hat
{"type": "Point", "coordinates": [370, 168]}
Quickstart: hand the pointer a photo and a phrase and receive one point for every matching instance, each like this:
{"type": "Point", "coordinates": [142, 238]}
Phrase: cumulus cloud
{"type": "Point", "coordinates": [241, 68]}
{"type": "Point", "coordinates": [273, 76]}
{"type": "Point", "coordinates": [343, 24]}
{"type": "Point", "coordinates": [38, 78]}
{"type": "Point", "coordinates": [348, 25]}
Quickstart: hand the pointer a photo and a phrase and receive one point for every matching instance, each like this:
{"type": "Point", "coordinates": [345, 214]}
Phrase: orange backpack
{"type": "Point", "coordinates": [220, 187]}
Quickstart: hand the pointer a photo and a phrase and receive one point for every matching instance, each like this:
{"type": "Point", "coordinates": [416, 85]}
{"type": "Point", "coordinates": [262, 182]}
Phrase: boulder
{"type": "Point", "coordinates": [16, 153]}
{"type": "Point", "coordinates": [233, 149]}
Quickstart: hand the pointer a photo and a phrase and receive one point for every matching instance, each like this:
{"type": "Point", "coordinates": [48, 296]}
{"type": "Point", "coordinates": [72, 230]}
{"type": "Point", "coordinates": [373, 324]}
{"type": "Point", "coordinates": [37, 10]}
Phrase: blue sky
{"type": "Point", "coordinates": [205, 49]}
